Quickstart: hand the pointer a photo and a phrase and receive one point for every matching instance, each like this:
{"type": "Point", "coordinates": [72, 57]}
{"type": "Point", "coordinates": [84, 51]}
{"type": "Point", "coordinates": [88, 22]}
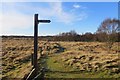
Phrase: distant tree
{"type": "Point", "coordinates": [68, 36]}
{"type": "Point", "coordinates": [108, 31]}
{"type": "Point", "coordinates": [73, 33]}
{"type": "Point", "coordinates": [88, 36]}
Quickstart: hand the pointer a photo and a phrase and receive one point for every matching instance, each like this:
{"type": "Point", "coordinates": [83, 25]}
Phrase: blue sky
{"type": "Point", "coordinates": [17, 17]}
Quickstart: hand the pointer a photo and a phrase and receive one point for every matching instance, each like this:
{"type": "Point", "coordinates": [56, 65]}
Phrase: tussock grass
{"type": "Point", "coordinates": [89, 59]}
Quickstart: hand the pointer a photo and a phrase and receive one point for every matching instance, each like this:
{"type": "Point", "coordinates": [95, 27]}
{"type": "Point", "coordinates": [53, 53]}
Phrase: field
{"type": "Point", "coordinates": [61, 59]}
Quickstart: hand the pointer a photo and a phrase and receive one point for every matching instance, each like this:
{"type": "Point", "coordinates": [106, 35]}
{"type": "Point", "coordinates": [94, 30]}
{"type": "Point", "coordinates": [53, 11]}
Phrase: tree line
{"type": "Point", "coordinates": [108, 31]}
{"type": "Point", "coordinates": [87, 37]}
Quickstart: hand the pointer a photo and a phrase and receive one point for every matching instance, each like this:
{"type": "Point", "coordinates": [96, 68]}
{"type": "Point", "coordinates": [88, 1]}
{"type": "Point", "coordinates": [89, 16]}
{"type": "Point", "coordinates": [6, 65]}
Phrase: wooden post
{"type": "Point", "coordinates": [32, 58]}
{"type": "Point", "coordinates": [36, 22]}
{"type": "Point", "coordinates": [35, 41]}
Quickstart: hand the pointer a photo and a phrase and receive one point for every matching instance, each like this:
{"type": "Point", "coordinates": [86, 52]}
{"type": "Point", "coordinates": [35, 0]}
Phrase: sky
{"type": "Point", "coordinates": [17, 18]}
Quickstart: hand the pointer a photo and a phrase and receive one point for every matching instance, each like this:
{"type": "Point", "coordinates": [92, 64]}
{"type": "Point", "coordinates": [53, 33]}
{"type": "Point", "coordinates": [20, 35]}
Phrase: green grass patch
{"type": "Point", "coordinates": [57, 69]}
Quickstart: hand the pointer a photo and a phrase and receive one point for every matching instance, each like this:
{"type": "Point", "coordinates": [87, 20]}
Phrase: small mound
{"type": "Point", "coordinates": [51, 48]}
{"type": "Point", "coordinates": [91, 62]}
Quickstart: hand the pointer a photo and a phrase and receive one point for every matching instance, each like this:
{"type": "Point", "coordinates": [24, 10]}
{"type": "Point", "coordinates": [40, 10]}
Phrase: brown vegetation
{"type": "Point", "coordinates": [81, 56]}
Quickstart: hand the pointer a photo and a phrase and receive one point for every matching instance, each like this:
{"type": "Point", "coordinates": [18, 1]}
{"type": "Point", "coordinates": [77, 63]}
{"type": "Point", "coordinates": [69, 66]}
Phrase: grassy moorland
{"type": "Point", "coordinates": [61, 59]}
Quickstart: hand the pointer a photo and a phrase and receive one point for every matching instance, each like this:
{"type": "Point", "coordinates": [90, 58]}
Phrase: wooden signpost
{"type": "Point", "coordinates": [34, 71]}
{"type": "Point", "coordinates": [36, 22]}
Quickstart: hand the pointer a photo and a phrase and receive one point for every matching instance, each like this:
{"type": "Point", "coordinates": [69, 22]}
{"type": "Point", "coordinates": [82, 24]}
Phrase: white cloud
{"type": "Point", "coordinates": [66, 17]}
{"type": "Point", "coordinates": [16, 19]}
{"type": "Point", "coordinates": [60, 14]}
{"type": "Point", "coordinates": [76, 6]}
{"type": "Point", "coordinates": [13, 21]}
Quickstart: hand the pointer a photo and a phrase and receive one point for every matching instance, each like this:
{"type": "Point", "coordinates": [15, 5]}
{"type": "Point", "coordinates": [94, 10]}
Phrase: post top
{"type": "Point", "coordinates": [36, 14]}
{"type": "Point", "coordinates": [41, 21]}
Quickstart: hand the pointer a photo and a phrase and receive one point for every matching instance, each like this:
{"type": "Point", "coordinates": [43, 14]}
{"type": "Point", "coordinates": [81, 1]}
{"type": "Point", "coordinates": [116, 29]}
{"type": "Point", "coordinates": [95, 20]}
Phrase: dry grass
{"type": "Point", "coordinates": [81, 56]}
{"type": "Point", "coordinates": [16, 54]}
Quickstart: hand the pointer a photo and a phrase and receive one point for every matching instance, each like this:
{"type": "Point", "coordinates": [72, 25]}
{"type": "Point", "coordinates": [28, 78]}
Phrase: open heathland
{"type": "Point", "coordinates": [61, 59]}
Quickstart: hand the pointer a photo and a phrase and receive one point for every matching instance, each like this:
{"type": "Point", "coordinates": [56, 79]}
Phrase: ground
{"type": "Point", "coordinates": [61, 59]}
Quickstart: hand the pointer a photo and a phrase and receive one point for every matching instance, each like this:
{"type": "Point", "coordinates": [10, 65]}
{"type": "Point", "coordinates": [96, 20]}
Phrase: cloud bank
{"type": "Point", "coordinates": [20, 16]}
